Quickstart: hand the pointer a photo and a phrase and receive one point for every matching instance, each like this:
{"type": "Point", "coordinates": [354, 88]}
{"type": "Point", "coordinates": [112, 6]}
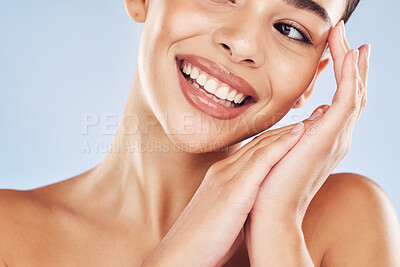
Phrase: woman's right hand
{"type": "Point", "coordinates": [209, 230]}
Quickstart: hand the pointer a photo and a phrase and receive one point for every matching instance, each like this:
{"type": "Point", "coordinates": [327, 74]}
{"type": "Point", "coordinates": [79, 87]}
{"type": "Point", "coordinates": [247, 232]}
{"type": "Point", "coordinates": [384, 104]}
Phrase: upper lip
{"type": "Point", "coordinates": [221, 73]}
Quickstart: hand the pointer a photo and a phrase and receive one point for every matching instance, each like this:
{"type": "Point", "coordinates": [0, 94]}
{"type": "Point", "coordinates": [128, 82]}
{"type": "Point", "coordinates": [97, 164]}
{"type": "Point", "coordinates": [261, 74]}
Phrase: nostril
{"type": "Point", "coordinates": [227, 48]}
{"type": "Point", "coordinates": [249, 60]}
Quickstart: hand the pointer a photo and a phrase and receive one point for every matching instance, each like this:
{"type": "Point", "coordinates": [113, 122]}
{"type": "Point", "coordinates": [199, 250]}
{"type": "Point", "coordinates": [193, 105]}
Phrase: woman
{"type": "Point", "coordinates": [175, 188]}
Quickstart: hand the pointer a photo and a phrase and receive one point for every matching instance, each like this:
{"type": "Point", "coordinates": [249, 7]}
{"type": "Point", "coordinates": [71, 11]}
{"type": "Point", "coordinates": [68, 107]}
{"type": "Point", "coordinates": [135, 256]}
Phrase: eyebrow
{"type": "Point", "coordinates": [312, 6]}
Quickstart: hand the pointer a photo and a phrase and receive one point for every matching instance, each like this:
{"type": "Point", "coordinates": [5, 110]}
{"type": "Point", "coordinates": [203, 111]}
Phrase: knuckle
{"type": "Point", "coordinates": [279, 142]}
{"type": "Point", "coordinates": [215, 169]}
{"type": "Point", "coordinates": [355, 76]}
{"type": "Point", "coordinates": [342, 147]}
{"type": "Point", "coordinates": [282, 140]}
{"type": "Point", "coordinates": [337, 146]}
{"type": "Point", "coordinates": [360, 84]}
{"type": "Point", "coordinates": [360, 93]}
{"type": "Point", "coordinates": [259, 155]}
{"type": "Point", "coordinates": [265, 141]}
{"type": "Point", "coordinates": [216, 183]}
{"type": "Point", "coordinates": [364, 101]}
{"type": "Point", "coordinates": [345, 149]}
{"type": "Point", "coordinates": [351, 107]}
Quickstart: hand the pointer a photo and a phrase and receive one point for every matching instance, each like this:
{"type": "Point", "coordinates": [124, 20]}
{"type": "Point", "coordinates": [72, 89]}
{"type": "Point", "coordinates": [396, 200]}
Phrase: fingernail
{"type": "Point", "coordinates": [356, 53]}
{"type": "Point", "coordinates": [316, 114]}
{"type": "Point", "coordinates": [298, 128]}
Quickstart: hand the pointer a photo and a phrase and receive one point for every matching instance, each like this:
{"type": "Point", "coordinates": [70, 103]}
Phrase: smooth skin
{"type": "Point", "coordinates": [272, 202]}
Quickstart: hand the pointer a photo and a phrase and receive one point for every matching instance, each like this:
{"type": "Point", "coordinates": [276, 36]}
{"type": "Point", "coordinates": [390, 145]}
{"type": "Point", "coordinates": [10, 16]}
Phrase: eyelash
{"type": "Point", "coordinates": [305, 40]}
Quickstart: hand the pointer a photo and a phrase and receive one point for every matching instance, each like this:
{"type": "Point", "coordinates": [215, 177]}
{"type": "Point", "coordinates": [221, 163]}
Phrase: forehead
{"type": "Point", "coordinates": [334, 8]}
{"type": "Point", "coordinates": [328, 10]}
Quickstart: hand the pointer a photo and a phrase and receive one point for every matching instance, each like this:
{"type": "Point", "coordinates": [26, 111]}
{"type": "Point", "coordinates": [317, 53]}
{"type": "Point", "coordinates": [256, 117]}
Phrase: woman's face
{"type": "Point", "coordinates": [262, 54]}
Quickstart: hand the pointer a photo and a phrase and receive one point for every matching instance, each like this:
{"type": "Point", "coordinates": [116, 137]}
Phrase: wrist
{"type": "Point", "coordinates": [284, 227]}
{"type": "Point", "coordinates": [277, 218]}
{"type": "Point", "coordinates": [289, 211]}
{"type": "Point", "coordinates": [270, 243]}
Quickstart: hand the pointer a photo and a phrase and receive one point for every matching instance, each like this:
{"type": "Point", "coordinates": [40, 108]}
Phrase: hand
{"type": "Point", "coordinates": [210, 228]}
{"type": "Point", "coordinates": [292, 183]}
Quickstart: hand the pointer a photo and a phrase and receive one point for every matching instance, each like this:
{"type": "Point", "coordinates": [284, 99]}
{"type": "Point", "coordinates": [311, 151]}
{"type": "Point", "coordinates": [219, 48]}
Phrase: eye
{"type": "Point", "coordinates": [292, 32]}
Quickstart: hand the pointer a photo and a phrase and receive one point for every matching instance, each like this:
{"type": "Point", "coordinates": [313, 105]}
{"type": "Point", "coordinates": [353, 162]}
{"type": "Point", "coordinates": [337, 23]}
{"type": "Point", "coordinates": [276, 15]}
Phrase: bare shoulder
{"type": "Point", "coordinates": [29, 215]}
{"type": "Point", "coordinates": [18, 207]}
{"type": "Point", "coordinates": [352, 222]}
{"type": "Point", "coordinates": [18, 210]}
{"type": "Point", "coordinates": [15, 207]}
{"type": "Point", "coordinates": [17, 203]}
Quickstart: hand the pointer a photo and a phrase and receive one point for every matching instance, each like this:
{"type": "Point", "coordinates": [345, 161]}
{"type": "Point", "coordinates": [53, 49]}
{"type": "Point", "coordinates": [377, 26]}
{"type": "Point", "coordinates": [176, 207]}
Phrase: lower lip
{"type": "Point", "coordinates": [208, 106]}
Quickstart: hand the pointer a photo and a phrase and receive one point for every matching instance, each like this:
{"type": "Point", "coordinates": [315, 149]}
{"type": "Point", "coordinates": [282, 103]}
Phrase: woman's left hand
{"type": "Point", "coordinates": [290, 186]}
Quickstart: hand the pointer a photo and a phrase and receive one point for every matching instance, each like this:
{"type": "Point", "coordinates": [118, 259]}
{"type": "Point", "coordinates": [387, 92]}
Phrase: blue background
{"type": "Point", "coordinates": [63, 60]}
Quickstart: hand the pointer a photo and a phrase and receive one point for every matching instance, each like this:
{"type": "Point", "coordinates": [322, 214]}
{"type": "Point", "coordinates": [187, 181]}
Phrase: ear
{"type": "Point", "coordinates": [322, 65]}
{"type": "Point", "coordinates": [137, 9]}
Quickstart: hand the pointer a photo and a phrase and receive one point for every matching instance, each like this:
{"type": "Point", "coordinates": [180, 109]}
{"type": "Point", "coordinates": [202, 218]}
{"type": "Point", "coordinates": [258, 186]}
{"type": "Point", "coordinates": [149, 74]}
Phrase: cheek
{"type": "Point", "coordinates": [175, 20]}
{"type": "Point", "coordinates": [290, 78]}
{"type": "Point", "coordinates": [168, 25]}
{"type": "Point", "coordinates": [288, 82]}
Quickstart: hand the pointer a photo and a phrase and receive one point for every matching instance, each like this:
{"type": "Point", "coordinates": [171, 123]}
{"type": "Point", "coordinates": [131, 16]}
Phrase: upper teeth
{"type": "Point", "coordinates": [222, 92]}
{"type": "Point", "coordinates": [212, 85]}
{"type": "Point", "coordinates": [202, 79]}
{"type": "Point", "coordinates": [194, 73]}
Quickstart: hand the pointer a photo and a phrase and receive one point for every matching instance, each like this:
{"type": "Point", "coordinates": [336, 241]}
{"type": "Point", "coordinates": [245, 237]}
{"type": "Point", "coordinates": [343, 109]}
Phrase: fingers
{"type": "Point", "coordinates": [346, 43]}
{"type": "Point", "coordinates": [263, 139]}
{"type": "Point", "coordinates": [353, 97]}
{"type": "Point", "coordinates": [338, 46]}
{"type": "Point", "coordinates": [346, 100]}
{"type": "Point", "coordinates": [257, 163]}
{"type": "Point", "coordinates": [267, 138]}
{"type": "Point", "coordinates": [353, 86]}
{"type": "Point", "coordinates": [317, 113]}
{"type": "Point", "coordinates": [363, 67]}
{"type": "Point", "coordinates": [363, 63]}
{"type": "Point", "coordinates": [271, 136]}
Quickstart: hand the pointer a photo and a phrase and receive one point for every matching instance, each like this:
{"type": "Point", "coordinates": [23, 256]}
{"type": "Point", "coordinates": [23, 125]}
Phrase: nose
{"type": "Point", "coordinates": [241, 42]}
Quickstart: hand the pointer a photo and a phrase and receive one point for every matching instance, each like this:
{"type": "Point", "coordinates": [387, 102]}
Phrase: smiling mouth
{"type": "Point", "coordinates": [212, 87]}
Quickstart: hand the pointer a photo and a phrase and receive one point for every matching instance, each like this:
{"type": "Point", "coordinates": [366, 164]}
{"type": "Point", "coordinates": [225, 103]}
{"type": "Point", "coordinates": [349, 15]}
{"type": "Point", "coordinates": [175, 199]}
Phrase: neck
{"type": "Point", "coordinates": [150, 176]}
